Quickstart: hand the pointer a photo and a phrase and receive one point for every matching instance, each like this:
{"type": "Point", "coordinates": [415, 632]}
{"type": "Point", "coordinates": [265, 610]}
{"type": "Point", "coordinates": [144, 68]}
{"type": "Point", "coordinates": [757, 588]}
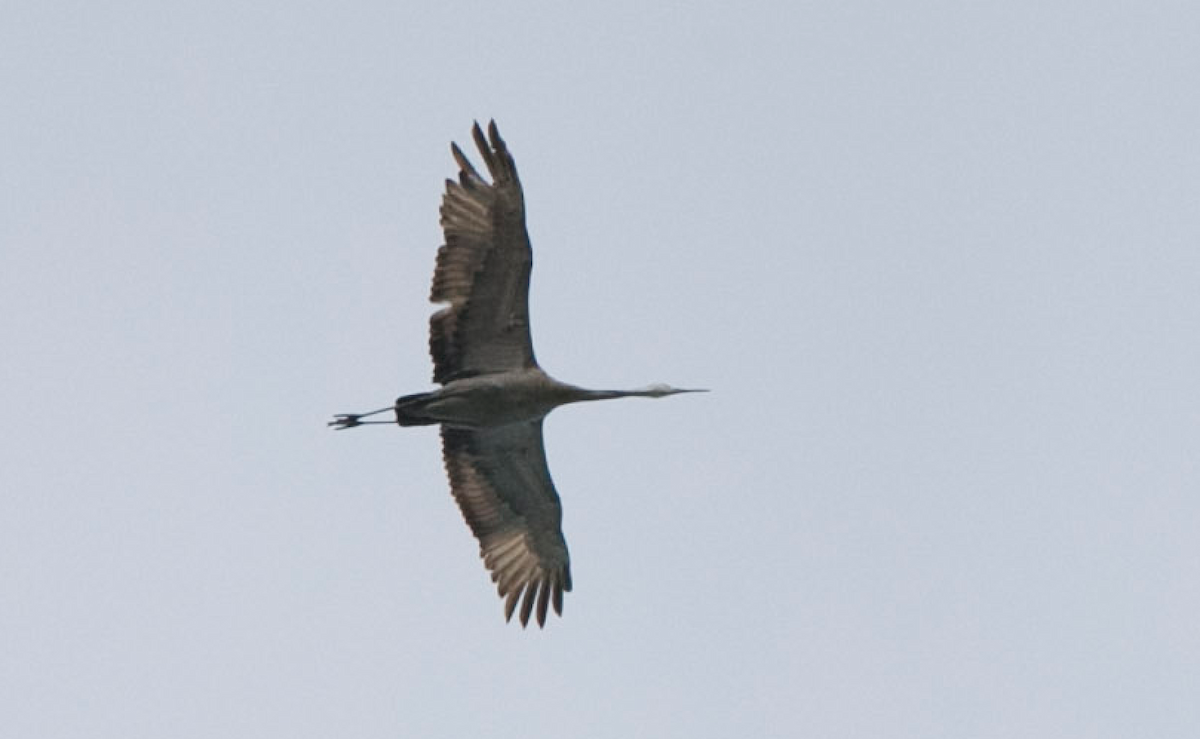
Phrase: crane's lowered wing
{"type": "Point", "coordinates": [500, 479]}
{"type": "Point", "coordinates": [482, 270]}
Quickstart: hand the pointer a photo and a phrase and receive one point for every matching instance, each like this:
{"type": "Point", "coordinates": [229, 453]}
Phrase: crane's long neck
{"type": "Point", "coordinates": [611, 394]}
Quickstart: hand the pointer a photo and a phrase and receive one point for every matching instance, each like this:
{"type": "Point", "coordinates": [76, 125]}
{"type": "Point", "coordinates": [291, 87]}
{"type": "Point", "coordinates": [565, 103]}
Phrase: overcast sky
{"type": "Point", "coordinates": [939, 263]}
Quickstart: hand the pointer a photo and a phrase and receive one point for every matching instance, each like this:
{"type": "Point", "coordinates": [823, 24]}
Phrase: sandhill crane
{"type": "Point", "coordinates": [494, 395]}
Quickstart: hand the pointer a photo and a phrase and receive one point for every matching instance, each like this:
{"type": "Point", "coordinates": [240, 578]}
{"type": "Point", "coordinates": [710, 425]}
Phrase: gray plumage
{"type": "Point", "coordinates": [494, 396]}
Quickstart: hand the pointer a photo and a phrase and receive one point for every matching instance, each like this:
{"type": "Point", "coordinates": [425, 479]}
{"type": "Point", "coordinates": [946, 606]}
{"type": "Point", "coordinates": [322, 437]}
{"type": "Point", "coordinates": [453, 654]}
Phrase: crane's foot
{"type": "Point", "coordinates": [350, 420]}
{"type": "Point", "coordinates": [346, 421]}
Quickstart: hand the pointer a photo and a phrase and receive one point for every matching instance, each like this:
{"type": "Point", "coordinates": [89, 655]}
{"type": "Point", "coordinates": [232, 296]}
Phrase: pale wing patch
{"type": "Point", "coordinates": [517, 570]}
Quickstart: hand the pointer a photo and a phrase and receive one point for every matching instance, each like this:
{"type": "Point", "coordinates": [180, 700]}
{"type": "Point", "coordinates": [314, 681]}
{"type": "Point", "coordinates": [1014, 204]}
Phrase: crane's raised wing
{"type": "Point", "coordinates": [482, 270]}
{"type": "Point", "coordinates": [500, 479]}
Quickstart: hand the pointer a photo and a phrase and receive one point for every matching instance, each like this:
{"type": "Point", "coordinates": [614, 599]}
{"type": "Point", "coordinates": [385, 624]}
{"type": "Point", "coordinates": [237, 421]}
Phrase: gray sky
{"type": "Point", "coordinates": [938, 261]}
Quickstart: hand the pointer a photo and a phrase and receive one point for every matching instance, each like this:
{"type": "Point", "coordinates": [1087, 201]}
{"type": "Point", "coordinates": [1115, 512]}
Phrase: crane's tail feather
{"type": "Point", "coordinates": [409, 410]}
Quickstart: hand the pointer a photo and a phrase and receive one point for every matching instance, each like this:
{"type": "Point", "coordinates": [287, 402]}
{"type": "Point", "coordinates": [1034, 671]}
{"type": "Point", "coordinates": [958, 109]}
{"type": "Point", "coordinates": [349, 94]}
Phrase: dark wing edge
{"type": "Point", "coordinates": [500, 480]}
{"type": "Point", "coordinates": [482, 269]}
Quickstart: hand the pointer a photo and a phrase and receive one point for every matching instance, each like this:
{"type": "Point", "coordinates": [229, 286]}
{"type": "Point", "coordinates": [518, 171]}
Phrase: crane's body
{"type": "Point", "coordinates": [494, 395]}
{"type": "Point", "coordinates": [487, 400]}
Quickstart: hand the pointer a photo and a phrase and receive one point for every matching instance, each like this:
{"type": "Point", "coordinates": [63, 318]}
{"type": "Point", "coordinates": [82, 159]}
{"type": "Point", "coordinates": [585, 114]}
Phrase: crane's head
{"type": "Point", "coordinates": [650, 391]}
{"type": "Point", "coordinates": [659, 390]}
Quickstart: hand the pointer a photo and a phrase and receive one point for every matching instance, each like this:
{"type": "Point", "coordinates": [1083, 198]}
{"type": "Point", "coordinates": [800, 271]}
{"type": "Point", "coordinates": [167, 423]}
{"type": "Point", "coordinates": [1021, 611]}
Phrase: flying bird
{"type": "Point", "coordinates": [493, 394]}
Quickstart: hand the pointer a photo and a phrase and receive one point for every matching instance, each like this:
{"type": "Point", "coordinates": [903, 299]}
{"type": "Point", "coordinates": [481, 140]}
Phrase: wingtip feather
{"type": "Point", "coordinates": [480, 141]}
{"type": "Point", "coordinates": [543, 602]}
{"type": "Point", "coordinates": [510, 604]}
{"type": "Point", "coordinates": [531, 591]}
